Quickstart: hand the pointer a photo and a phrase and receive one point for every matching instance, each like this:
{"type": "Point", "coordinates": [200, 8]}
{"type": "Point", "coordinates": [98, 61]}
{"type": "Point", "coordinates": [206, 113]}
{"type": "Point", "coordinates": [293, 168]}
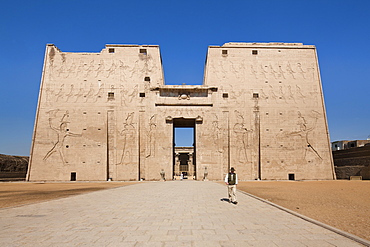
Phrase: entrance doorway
{"type": "Point", "coordinates": [184, 158]}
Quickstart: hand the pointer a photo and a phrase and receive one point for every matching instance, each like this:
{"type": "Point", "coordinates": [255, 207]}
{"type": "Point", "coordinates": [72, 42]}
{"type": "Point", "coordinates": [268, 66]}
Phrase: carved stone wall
{"type": "Point", "coordinates": [108, 115]}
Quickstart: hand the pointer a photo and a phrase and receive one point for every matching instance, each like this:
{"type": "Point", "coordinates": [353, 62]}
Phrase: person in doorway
{"type": "Point", "coordinates": [231, 181]}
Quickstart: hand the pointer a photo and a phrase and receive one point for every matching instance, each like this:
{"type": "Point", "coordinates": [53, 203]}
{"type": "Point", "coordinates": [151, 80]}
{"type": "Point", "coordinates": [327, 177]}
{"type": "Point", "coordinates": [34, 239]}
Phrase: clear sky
{"type": "Point", "coordinates": [184, 29]}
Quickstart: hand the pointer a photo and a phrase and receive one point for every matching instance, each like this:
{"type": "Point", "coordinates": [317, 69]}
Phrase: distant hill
{"type": "Point", "coordinates": [13, 167]}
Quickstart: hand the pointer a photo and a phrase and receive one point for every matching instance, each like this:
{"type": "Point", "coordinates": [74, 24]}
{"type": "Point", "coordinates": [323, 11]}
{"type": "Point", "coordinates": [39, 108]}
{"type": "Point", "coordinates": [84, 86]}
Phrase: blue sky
{"type": "Point", "coordinates": [184, 29]}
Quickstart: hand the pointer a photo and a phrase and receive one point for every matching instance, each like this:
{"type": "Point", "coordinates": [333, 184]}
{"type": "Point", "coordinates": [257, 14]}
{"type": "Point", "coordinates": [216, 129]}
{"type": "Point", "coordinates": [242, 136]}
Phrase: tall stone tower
{"type": "Point", "coordinates": [109, 115]}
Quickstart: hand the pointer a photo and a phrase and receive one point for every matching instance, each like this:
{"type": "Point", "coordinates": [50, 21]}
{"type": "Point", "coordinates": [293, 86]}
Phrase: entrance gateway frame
{"type": "Point", "coordinates": [109, 114]}
{"type": "Point", "coordinates": [185, 123]}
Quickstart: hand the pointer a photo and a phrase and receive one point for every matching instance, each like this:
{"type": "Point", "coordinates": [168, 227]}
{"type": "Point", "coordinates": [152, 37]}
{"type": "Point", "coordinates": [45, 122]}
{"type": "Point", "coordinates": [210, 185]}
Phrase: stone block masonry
{"type": "Point", "coordinates": [109, 115]}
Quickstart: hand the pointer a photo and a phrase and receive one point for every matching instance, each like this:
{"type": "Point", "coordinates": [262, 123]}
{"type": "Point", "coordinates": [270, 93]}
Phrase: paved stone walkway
{"type": "Point", "coordinates": [172, 213]}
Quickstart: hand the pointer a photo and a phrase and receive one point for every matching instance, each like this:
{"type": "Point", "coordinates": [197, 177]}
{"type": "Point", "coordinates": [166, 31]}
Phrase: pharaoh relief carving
{"type": "Point", "coordinates": [242, 134]}
{"type": "Point", "coordinates": [305, 133]}
{"type": "Point", "coordinates": [128, 137]}
{"type": "Point", "coordinates": [62, 132]}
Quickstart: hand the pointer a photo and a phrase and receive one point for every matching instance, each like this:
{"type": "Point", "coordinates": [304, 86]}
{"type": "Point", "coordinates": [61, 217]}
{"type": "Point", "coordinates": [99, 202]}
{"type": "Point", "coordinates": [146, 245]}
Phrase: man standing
{"type": "Point", "coordinates": [231, 181]}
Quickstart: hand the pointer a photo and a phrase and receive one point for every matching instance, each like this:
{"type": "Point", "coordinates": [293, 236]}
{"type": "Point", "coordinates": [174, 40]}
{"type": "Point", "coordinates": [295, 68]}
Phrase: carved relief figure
{"type": "Point", "coordinates": [299, 93]}
{"type": "Point", "coordinates": [305, 132]}
{"type": "Point", "coordinates": [122, 73]}
{"type": "Point", "coordinates": [90, 93]}
{"type": "Point", "coordinates": [300, 70]}
{"type": "Point", "coordinates": [217, 134]}
{"type": "Point", "coordinates": [80, 92]}
{"type": "Point", "coordinates": [61, 131]}
{"type": "Point", "coordinates": [60, 93]}
{"type": "Point", "coordinates": [111, 69]}
{"type": "Point", "coordinates": [128, 134]}
{"type": "Point", "coordinates": [241, 132]}
{"type": "Point", "coordinates": [254, 71]}
{"type": "Point", "coordinates": [71, 70]}
{"type": "Point", "coordinates": [70, 94]}
{"type": "Point", "coordinates": [281, 72]}
{"type": "Point", "coordinates": [89, 69]}
{"type": "Point", "coordinates": [100, 93]}
{"type": "Point", "coordinates": [290, 70]}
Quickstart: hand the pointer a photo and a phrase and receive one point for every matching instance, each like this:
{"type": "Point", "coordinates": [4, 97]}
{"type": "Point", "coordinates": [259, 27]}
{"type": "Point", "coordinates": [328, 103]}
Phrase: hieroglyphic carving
{"type": "Point", "coordinates": [61, 131]}
{"type": "Point", "coordinates": [128, 133]}
{"type": "Point", "coordinates": [150, 136]}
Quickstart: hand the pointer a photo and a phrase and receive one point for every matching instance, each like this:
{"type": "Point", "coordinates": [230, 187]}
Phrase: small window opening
{"type": "Point", "coordinates": [255, 95]}
{"type": "Point", "coordinates": [142, 95]}
{"type": "Point", "coordinates": [143, 51]}
{"type": "Point", "coordinates": [147, 78]}
{"type": "Point", "coordinates": [254, 52]}
{"type": "Point", "coordinates": [225, 95]}
{"type": "Point", "coordinates": [291, 176]}
{"type": "Point", "coordinates": [111, 50]}
{"type": "Point", "coordinates": [67, 146]}
{"type": "Point", "coordinates": [110, 95]}
{"type": "Point", "coordinates": [73, 176]}
{"type": "Point", "coordinates": [224, 52]}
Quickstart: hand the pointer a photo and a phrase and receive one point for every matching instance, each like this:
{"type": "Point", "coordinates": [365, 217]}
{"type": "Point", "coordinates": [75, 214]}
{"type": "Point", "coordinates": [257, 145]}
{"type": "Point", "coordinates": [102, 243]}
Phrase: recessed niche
{"type": "Point", "coordinates": [143, 51]}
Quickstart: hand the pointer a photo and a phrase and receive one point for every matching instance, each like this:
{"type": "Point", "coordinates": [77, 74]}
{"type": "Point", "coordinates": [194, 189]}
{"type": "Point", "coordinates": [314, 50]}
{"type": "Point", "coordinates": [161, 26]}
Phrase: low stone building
{"type": "Point", "coordinates": [353, 161]}
{"type": "Point", "coordinates": [109, 115]}
{"type": "Point", "coordinates": [345, 144]}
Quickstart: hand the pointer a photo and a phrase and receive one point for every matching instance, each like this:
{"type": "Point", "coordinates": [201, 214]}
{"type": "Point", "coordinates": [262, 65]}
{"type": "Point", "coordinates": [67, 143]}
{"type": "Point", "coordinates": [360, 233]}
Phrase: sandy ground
{"type": "Point", "coordinates": [342, 204]}
{"type": "Point", "coordinates": [20, 193]}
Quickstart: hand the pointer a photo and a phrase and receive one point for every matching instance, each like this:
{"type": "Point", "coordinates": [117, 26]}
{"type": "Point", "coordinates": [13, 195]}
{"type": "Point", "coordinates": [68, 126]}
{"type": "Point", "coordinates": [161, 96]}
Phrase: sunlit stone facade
{"type": "Point", "coordinates": [109, 115]}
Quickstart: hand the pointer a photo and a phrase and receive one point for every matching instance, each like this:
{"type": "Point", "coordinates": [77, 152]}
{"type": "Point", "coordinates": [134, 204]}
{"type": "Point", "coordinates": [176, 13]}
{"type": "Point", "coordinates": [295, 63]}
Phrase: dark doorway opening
{"type": "Point", "coordinates": [184, 150]}
{"type": "Point", "coordinates": [73, 176]}
{"type": "Point", "coordinates": [291, 176]}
